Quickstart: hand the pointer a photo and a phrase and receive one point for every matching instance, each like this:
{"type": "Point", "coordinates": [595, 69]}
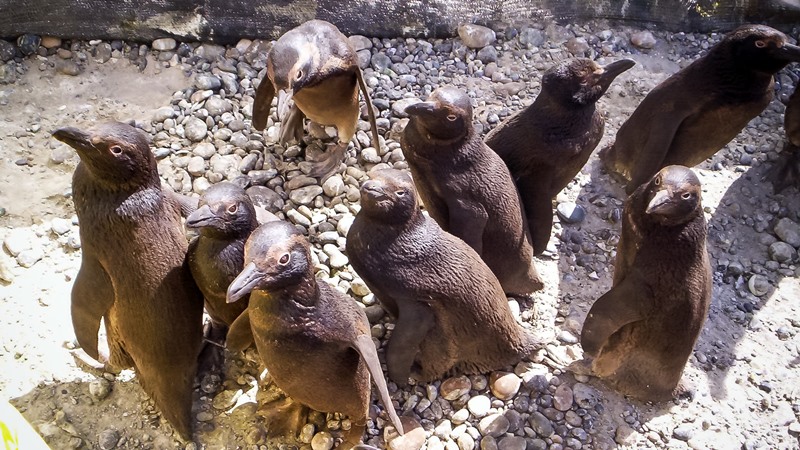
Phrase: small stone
{"type": "Point", "coordinates": [541, 424]}
{"type": "Point", "coordinates": [562, 399]}
{"type": "Point", "coordinates": [210, 52]}
{"type": "Point", "coordinates": [683, 432]}
{"type": "Point", "coordinates": [788, 231]}
{"type": "Point", "coordinates": [504, 385]}
{"type": "Point", "coordinates": [370, 156]}
{"type": "Point", "coordinates": [333, 186]}
{"type": "Point", "coordinates": [494, 425]}
{"type": "Point", "coordinates": [412, 439]}
{"type": "Point", "coordinates": [227, 399]}
{"type": "Point", "coordinates": [643, 39]}
{"type": "Point", "coordinates": [758, 285]}
{"type": "Point", "coordinates": [570, 212]}
{"type": "Point", "coordinates": [216, 106]}
{"type": "Point", "coordinates": [163, 113]}
{"type": "Point", "coordinates": [567, 337]}
{"type": "Point", "coordinates": [465, 442]}
{"type": "Point", "coordinates": [531, 37]}
{"type": "Point", "coordinates": [487, 54]}
{"type": "Point", "coordinates": [50, 42]}
{"type": "Point", "coordinates": [205, 150]}
{"type": "Point", "coordinates": [781, 252]}
{"type": "Point", "coordinates": [99, 388]}
{"type": "Point", "coordinates": [207, 82]}
{"type": "Point", "coordinates": [28, 43]}
{"type": "Point", "coordinates": [453, 388]}
{"type": "Point", "coordinates": [476, 36]}
{"type": "Point", "coordinates": [586, 396]}
{"type": "Point", "coordinates": [360, 42]}
{"type": "Point", "coordinates": [108, 439]}
{"type": "Point", "coordinates": [196, 166]}
{"type": "Point", "coordinates": [399, 107]}
{"type": "Point", "coordinates": [7, 50]}
{"type": "Point", "coordinates": [337, 259]}
{"type": "Point", "coordinates": [460, 416]}
{"type": "Point", "coordinates": [625, 435]}
{"type": "Point", "coordinates": [164, 44]}
{"type": "Point", "coordinates": [577, 46]}
{"type": "Point", "coordinates": [205, 416]}
{"type": "Point", "coordinates": [305, 195]}
{"type": "Point", "coordinates": [512, 443]}
{"type": "Point", "coordinates": [479, 405]}
{"type": "Point", "coordinates": [322, 441]}
{"type": "Point", "coordinates": [28, 258]}
{"type": "Point", "coordinates": [195, 129]}
{"type": "Point", "coordinates": [68, 67]}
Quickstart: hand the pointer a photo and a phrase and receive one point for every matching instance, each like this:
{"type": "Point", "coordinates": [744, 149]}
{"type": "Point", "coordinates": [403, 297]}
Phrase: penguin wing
{"type": "Point", "coordinates": [291, 122]}
{"type": "Point", "coordinates": [626, 302]}
{"type": "Point", "coordinates": [467, 220]}
{"type": "Point", "coordinates": [240, 335]}
{"type": "Point", "coordinates": [186, 204]}
{"type": "Point", "coordinates": [366, 348]}
{"type": "Point", "coordinates": [373, 124]}
{"type": "Point", "coordinates": [534, 192]}
{"type": "Point", "coordinates": [92, 297]}
{"type": "Point", "coordinates": [263, 103]}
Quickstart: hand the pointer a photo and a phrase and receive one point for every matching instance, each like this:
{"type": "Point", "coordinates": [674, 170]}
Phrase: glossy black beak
{"type": "Point", "coordinates": [423, 109]}
{"type": "Point", "coordinates": [789, 53]}
{"type": "Point", "coordinates": [75, 138]}
{"type": "Point", "coordinates": [613, 70]}
{"type": "Point", "coordinates": [244, 283]}
{"type": "Point", "coordinates": [202, 217]}
{"type": "Point", "coordinates": [373, 189]}
{"type": "Point", "coordinates": [660, 202]}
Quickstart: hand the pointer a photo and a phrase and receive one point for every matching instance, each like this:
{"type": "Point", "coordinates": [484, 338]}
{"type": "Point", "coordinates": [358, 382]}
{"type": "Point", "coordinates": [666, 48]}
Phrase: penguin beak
{"type": "Point", "coordinates": [613, 70]}
{"type": "Point", "coordinates": [788, 52]}
{"type": "Point", "coordinates": [203, 216]}
{"type": "Point", "coordinates": [660, 202]}
{"type": "Point", "coordinates": [422, 109]}
{"type": "Point", "coordinates": [373, 189]}
{"type": "Point", "coordinates": [75, 138]}
{"type": "Point", "coordinates": [244, 283]}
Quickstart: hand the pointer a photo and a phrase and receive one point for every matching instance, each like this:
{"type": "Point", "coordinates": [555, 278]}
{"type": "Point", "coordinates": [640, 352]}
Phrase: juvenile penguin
{"type": "Point", "coordinates": [467, 189]}
{"type": "Point", "coordinates": [787, 170]}
{"type": "Point", "coordinates": [133, 270]}
{"type": "Point", "coordinates": [546, 144]}
{"type": "Point", "coordinates": [451, 314]}
{"type": "Point", "coordinates": [319, 67]}
{"type": "Point", "coordinates": [225, 218]}
{"type": "Point", "coordinates": [314, 341]}
{"type": "Point", "coordinates": [640, 334]}
{"type": "Point", "coordinates": [695, 112]}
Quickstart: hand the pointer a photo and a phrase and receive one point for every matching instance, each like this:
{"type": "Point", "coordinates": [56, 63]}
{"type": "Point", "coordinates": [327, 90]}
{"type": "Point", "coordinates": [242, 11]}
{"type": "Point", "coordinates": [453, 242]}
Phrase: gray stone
{"type": "Point", "coordinates": [333, 186]}
{"type": "Point", "coordinates": [476, 36]}
{"type": "Point", "coordinates": [512, 443]}
{"type": "Point", "coordinates": [531, 37]}
{"type": "Point", "coordinates": [453, 388]}
{"type": "Point", "coordinates": [494, 425]}
{"type": "Point", "coordinates": [207, 82]}
{"type": "Point", "coordinates": [60, 226]}
{"type": "Point", "coordinates": [683, 432]}
{"type": "Point", "coordinates": [465, 442]}
{"type": "Point", "coordinates": [399, 107]}
{"type": "Point", "coordinates": [504, 385]}
{"type": "Point", "coordinates": [108, 439]}
{"type": "Point", "coordinates": [164, 44]}
{"type": "Point", "coordinates": [343, 226]}
{"type": "Point", "coordinates": [99, 388]}
{"type": "Point", "coordinates": [195, 129]}
{"type": "Point", "coordinates": [370, 156]}
{"type": "Point", "coordinates": [163, 113]}
{"type": "Point", "coordinates": [102, 53]}
{"type": "Point", "coordinates": [7, 50]}
{"type": "Point", "coordinates": [29, 257]}
{"type": "Point", "coordinates": [210, 52]}
{"type": "Point", "coordinates": [586, 396]}
{"type": "Point", "coordinates": [643, 39]}
{"type": "Point", "coordinates": [68, 67]}
{"type": "Point", "coordinates": [781, 252]}
{"type": "Point", "coordinates": [360, 42]}
{"type": "Point", "coordinates": [567, 337]}
{"type": "Point", "coordinates": [61, 154]}
{"type": "Point", "coordinates": [758, 285]}
{"type": "Point", "coordinates": [487, 443]}
{"type": "Point", "coordinates": [381, 62]}
{"type": "Point", "coordinates": [541, 424]}
{"type": "Point", "coordinates": [570, 212]}
{"type": "Point", "coordinates": [487, 54]}
{"type": "Point", "coordinates": [788, 231]}
{"type": "Point", "coordinates": [28, 43]}
{"type": "Point", "coordinates": [305, 195]}
{"type": "Point", "coordinates": [577, 46]}
{"type": "Point", "coordinates": [197, 166]}
{"type": "Point", "coordinates": [205, 150]}
{"type": "Point", "coordinates": [479, 405]}
{"type": "Point", "coordinates": [216, 106]}
{"type": "Point", "coordinates": [562, 399]}
{"type": "Point", "coordinates": [322, 441]}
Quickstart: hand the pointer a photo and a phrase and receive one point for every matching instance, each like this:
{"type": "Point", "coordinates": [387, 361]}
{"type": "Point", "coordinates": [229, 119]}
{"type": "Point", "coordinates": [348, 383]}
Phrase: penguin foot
{"type": "Point", "coordinates": [786, 171]}
{"type": "Point", "coordinates": [83, 359]}
{"type": "Point", "coordinates": [284, 417]}
{"type": "Point", "coordinates": [352, 438]}
{"type": "Point", "coordinates": [212, 357]}
{"type": "Point", "coordinates": [325, 166]}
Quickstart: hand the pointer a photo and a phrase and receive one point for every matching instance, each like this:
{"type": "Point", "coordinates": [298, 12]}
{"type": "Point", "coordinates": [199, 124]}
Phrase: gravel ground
{"type": "Point", "coordinates": [195, 101]}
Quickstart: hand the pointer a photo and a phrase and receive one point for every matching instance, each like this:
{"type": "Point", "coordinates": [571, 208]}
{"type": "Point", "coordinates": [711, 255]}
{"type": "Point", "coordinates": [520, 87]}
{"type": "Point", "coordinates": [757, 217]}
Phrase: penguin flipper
{"type": "Point", "coordinates": [413, 323]}
{"type": "Point", "coordinates": [373, 124]}
{"type": "Point", "coordinates": [534, 191]}
{"type": "Point", "coordinates": [92, 297]}
{"type": "Point", "coordinates": [263, 103]}
{"type": "Point", "coordinates": [186, 204]}
{"type": "Point", "coordinates": [240, 335]}
{"type": "Point", "coordinates": [467, 221]}
{"type": "Point", "coordinates": [650, 157]}
{"type": "Point", "coordinates": [291, 125]}
{"type": "Point", "coordinates": [625, 303]}
{"type": "Point", "coordinates": [366, 348]}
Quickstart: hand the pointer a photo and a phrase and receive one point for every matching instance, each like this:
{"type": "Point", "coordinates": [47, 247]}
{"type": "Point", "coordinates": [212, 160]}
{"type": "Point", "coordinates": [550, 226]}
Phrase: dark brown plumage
{"type": "Point", "coordinates": [695, 112]}
{"type": "Point", "coordinates": [546, 144]}
{"type": "Point", "coordinates": [467, 189]}
{"type": "Point", "coordinates": [319, 67]}
{"type": "Point", "coordinates": [787, 170]}
{"type": "Point", "coordinates": [640, 334]}
{"type": "Point", "coordinates": [451, 314]}
{"type": "Point", "coordinates": [133, 272]}
{"type": "Point", "coordinates": [314, 340]}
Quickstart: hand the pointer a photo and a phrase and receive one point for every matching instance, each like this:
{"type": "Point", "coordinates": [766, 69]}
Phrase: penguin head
{"type": "Point", "coordinates": [673, 196]}
{"type": "Point", "coordinates": [389, 196]}
{"type": "Point", "coordinates": [294, 61]}
{"type": "Point", "coordinates": [446, 115]}
{"type": "Point", "coordinates": [225, 209]}
{"type": "Point", "coordinates": [276, 256]}
{"type": "Point", "coordinates": [582, 81]}
{"type": "Point", "coordinates": [116, 154]}
{"type": "Point", "coordinates": [761, 48]}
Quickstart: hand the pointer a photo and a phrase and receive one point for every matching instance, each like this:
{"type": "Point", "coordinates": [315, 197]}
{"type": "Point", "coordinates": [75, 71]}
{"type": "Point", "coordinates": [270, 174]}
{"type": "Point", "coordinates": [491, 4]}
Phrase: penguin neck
{"type": "Point", "coordinates": [432, 148]}
{"type": "Point", "coordinates": [560, 112]}
{"type": "Point", "coordinates": [734, 76]}
{"type": "Point", "coordinates": [304, 294]}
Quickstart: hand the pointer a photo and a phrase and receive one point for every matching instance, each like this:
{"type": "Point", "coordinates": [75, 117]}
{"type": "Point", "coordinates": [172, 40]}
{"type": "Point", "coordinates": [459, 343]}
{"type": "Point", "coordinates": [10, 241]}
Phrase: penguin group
{"type": "Point", "coordinates": [441, 245]}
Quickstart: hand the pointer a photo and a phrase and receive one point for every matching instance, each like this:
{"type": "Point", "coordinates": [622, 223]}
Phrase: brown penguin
{"type": "Point", "coordinates": [314, 341]}
{"type": "Point", "coordinates": [640, 334]}
{"type": "Point", "coordinates": [225, 218]}
{"type": "Point", "coordinates": [467, 189]}
{"type": "Point", "coordinates": [787, 170]}
{"type": "Point", "coordinates": [695, 112]}
{"type": "Point", "coordinates": [133, 271]}
{"type": "Point", "coordinates": [546, 144]}
{"type": "Point", "coordinates": [451, 314]}
{"type": "Point", "coordinates": [319, 67]}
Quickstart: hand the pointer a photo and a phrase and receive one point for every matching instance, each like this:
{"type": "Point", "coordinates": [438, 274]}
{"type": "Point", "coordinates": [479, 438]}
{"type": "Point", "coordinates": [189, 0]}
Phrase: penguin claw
{"type": "Point", "coordinates": [328, 164]}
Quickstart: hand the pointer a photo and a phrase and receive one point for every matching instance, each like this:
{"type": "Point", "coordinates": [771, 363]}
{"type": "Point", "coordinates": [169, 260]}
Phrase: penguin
{"type": "Point", "coordinates": [640, 334]}
{"type": "Point", "coordinates": [225, 217]}
{"type": "Point", "coordinates": [787, 170]}
{"type": "Point", "coordinates": [547, 143]}
{"type": "Point", "coordinates": [695, 112]}
{"type": "Point", "coordinates": [451, 314]}
{"type": "Point", "coordinates": [314, 340]}
{"type": "Point", "coordinates": [317, 64]}
{"type": "Point", "coordinates": [468, 189]}
{"type": "Point", "coordinates": [133, 271]}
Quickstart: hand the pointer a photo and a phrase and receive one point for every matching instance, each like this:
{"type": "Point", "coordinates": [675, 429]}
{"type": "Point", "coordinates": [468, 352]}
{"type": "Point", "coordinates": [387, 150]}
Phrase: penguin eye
{"type": "Point", "coordinates": [116, 150]}
{"type": "Point", "coordinates": [298, 75]}
{"type": "Point", "coordinates": [760, 44]}
{"type": "Point", "coordinates": [452, 117]}
{"type": "Point", "coordinates": [400, 193]}
{"type": "Point", "coordinates": [686, 195]}
{"type": "Point", "coordinates": [233, 208]}
{"type": "Point", "coordinates": [284, 259]}
{"type": "Point", "coordinates": [657, 181]}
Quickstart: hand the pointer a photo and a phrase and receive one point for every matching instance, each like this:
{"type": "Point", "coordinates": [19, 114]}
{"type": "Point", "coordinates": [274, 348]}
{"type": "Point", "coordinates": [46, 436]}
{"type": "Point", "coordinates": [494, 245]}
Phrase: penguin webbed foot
{"type": "Point", "coordinates": [212, 357]}
{"type": "Point", "coordinates": [786, 171]}
{"type": "Point", "coordinates": [83, 359]}
{"type": "Point", "coordinates": [284, 417]}
{"type": "Point", "coordinates": [327, 164]}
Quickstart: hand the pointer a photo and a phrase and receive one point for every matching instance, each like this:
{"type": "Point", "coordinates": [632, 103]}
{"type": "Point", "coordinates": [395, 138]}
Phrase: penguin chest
{"type": "Point", "coordinates": [333, 101]}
